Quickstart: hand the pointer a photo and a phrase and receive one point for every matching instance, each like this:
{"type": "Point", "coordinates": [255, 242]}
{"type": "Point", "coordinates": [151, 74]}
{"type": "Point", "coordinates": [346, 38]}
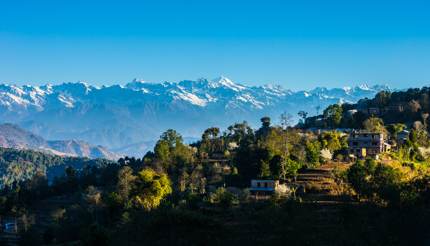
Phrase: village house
{"type": "Point", "coordinates": [364, 143]}
{"type": "Point", "coordinates": [265, 188]}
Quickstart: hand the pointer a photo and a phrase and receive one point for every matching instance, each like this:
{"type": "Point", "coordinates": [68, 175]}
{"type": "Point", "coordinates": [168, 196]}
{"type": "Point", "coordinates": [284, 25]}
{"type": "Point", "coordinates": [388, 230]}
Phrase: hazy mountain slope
{"type": "Point", "coordinates": [131, 116]}
{"type": "Point", "coordinates": [12, 136]}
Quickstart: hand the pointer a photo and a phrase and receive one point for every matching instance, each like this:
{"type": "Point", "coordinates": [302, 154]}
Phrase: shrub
{"type": "Point", "coordinates": [223, 198]}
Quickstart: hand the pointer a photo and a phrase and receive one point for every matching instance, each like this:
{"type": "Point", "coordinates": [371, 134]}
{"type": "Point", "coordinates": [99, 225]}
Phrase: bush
{"type": "Point", "coordinates": [223, 198]}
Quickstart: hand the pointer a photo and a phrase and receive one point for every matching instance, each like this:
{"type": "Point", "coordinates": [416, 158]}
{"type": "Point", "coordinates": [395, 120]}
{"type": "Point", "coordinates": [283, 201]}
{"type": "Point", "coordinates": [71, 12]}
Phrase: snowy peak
{"type": "Point", "coordinates": [189, 97]}
{"type": "Point", "coordinates": [78, 88]}
{"type": "Point", "coordinates": [275, 90]}
{"type": "Point", "coordinates": [198, 93]}
{"type": "Point", "coordinates": [226, 83]}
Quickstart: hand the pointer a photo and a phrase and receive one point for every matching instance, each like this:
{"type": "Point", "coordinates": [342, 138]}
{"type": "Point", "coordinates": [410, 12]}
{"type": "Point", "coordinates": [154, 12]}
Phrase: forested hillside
{"type": "Point", "coordinates": [21, 165]}
{"type": "Point", "coordinates": [404, 107]}
{"type": "Point", "coordinates": [199, 194]}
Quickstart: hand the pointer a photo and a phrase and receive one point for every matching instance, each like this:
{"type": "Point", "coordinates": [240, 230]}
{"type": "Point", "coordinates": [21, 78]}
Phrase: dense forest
{"type": "Point", "coordinates": [198, 194]}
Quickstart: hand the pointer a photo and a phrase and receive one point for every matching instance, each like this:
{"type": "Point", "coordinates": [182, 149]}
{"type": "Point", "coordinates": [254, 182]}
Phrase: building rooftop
{"type": "Point", "coordinates": [262, 189]}
{"type": "Point", "coordinates": [362, 131]}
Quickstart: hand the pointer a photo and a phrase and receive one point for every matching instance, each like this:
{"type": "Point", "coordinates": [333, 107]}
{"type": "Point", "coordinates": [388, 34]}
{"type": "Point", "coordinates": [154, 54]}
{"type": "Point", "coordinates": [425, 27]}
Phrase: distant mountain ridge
{"type": "Point", "coordinates": [12, 136]}
{"type": "Point", "coordinates": [127, 118]}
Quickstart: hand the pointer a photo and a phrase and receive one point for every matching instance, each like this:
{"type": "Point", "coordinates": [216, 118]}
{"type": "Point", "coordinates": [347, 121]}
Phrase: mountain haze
{"type": "Point", "coordinates": [12, 136]}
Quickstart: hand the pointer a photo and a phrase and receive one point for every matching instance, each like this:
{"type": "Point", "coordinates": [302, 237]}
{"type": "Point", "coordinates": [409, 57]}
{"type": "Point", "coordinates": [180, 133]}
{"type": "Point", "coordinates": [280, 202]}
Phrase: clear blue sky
{"type": "Point", "coordinates": [298, 44]}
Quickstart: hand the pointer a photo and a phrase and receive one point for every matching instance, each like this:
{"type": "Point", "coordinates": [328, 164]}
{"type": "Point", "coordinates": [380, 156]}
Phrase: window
{"type": "Point", "coordinates": [266, 185]}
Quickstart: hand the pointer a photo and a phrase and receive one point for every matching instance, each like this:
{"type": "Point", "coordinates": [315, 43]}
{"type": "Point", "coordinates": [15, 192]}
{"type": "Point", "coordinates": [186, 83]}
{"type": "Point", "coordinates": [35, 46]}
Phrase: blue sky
{"type": "Point", "coordinates": [298, 44]}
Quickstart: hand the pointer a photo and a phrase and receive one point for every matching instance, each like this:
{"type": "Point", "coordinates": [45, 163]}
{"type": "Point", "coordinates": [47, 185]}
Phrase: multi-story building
{"type": "Point", "coordinates": [364, 143]}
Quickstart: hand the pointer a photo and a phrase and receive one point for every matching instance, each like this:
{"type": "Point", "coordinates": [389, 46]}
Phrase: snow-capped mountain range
{"type": "Point", "coordinates": [129, 118]}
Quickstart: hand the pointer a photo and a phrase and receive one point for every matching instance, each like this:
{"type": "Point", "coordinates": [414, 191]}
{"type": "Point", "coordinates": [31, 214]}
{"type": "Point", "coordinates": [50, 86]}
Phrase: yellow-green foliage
{"type": "Point", "coordinates": [332, 140]}
{"type": "Point", "coordinates": [390, 181]}
{"type": "Point", "coordinates": [151, 188]}
{"type": "Point", "coordinates": [409, 168]}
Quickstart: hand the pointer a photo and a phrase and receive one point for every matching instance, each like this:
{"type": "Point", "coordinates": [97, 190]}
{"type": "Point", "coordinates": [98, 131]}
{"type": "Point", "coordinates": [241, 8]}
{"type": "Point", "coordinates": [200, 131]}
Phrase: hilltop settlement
{"type": "Point", "coordinates": [357, 174]}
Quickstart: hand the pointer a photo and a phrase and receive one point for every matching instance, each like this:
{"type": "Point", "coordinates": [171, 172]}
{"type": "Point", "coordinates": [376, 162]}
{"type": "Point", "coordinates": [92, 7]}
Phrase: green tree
{"type": "Point", "coordinates": [240, 132]}
{"type": "Point", "coordinates": [172, 138]}
{"type": "Point", "coordinates": [313, 149]}
{"type": "Point", "coordinates": [223, 197]}
{"type": "Point", "coordinates": [265, 169]}
{"type": "Point", "coordinates": [382, 98]}
{"type": "Point", "coordinates": [210, 142]}
{"type": "Point", "coordinates": [246, 162]}
{"type": "Point", "coordinates": [292, 167]}
{"type": "Point", "coordinates": [265, 127]}
{"type": "Point", "coordinates": [359, 175]}
{"type": "Point", "coordinates": [210, 133]}
{"type": "Point", "coordinates": [395, 129]}
{"type": "Point", "coordinates": [386, 183]}
{"type": "Point", "coordinates": [374, 124]}
{"type": "Point", "coordinates": [332, 140]}
{"type": "Point", "coordinates": [277, 167]}
{"type": "Point", "coordinates": [333, 115]}
{"type": "Point", "coordinates": [375, 180]}
{"type": "Point", "coordinates": [162, 153]}
{"type": "Point", "coordinates": [125, 184]}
